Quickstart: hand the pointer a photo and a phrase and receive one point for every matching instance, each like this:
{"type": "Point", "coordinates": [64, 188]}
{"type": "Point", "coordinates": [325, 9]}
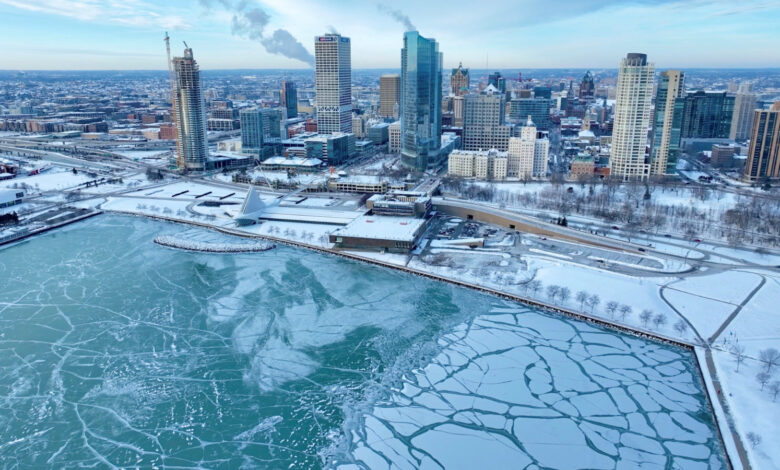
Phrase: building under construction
{"type": "Point", "coordinates": [188, 109]}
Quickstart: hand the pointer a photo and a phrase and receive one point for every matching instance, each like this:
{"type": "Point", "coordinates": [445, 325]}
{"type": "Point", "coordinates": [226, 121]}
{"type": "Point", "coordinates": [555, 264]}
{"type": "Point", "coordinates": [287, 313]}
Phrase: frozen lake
{"type": "Point", "coordinates": [120, 352]}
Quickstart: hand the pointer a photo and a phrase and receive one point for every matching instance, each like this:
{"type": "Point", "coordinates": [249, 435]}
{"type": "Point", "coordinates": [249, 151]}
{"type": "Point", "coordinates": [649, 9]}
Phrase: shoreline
{"type": "Point", "coordinates": [554, 309]}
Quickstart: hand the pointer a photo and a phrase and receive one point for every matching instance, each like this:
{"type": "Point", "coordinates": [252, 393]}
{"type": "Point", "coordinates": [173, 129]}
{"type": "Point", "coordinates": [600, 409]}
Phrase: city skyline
{"type": "Point", "coordinates": [107, 35]}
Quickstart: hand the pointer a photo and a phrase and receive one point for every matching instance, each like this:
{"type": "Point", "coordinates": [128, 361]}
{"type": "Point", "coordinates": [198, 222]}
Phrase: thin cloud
{"type": "Point", "coordinates": [133, 13]}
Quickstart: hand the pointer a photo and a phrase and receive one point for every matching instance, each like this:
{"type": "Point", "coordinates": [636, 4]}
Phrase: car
{"type": "Point", "coordinates": [544, 238]}
{"type": "Point", "coordinates": [697, 240]}
{"type": "Point", "coordinates": [615, 227]}
{"type": "Point", "coordinates": [667, 235]}
{"type": "Point", "coordinates": [642, 250]}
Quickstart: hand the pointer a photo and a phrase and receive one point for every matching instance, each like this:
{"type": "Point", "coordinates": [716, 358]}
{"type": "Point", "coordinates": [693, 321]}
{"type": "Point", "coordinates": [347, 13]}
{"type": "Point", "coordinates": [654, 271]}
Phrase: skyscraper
{"type": "Point", "coordinates": [537, 108]}
{"type": "Point", "coordinates": [459, 80]}
{"type": "Point", "coordinates": [421, 64]}
{"type": "Point", "coordinates": [707, 115]}
{"type": "Point", "coordinates": [251, 130]}
{"type": "Point", "coordinates": [667, 122]}
{"type": "Point", "coordinates": [632, 117]}
{"type": "Point", "coordinates": [290, 98]}
{"type": "Point", "coordinates": [742, 120]}
{"type": "Point", "coordinates": [389, 95]}
{"type": "Point", "coordinates": [498, 81]}
{"type": "Point", "coordinates": [333, 83]}
{"type": "Point", "coordinates": [764, 154]}
{"type": "Point", "coordinates": [483, 121]}
{"type": "Point", "coordinates": [188, 107]}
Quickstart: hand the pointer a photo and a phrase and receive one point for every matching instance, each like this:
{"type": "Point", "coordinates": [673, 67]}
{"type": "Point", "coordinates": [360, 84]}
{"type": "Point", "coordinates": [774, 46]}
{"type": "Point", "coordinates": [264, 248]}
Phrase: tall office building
{"type": "Point", "coordinates": [389, 95]}
{"type": "Point", "coordinates": [498, 81]}
{"type": "Point", "coordinates": [632, 117]}
{"type": "Point", "coordinates": [667, 122]}
{"type": "Point", "coordinates": [333, 83]}
{"type": "Point", "coordinates": [421, 65]}
{"type": "Point", "coordinates": [459, 81]}
{"type": "Point", "coordinates": [707, 115]}
{"type": "Point", "coordinates": [742, 120]}
{"type": "Point", "coordinates": [483, 121]}
{"type": "Point", "coordinates": [290, 98]}
{"type": "Point", "coordinates": [764, 153]}
{"type": "Point", "coordinates": [537, 108]}
{"type": "Point", "coordinates": [188, 107]}
{"type": "Point", "coordinates": [252, 132]}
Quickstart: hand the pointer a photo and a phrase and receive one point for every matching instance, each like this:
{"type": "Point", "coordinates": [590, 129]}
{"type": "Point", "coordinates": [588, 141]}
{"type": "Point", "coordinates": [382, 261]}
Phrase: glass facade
{"type": "Point", "coordinates": [251, 130]}
{"type": "Point", "coordinates": [537, 108]}
{"type": "Point", "coordinates": [421, 93]}
{"type": "Point", "coordinates": [707, 115]}
{"type": "Point", "coordinates": [290, 99]}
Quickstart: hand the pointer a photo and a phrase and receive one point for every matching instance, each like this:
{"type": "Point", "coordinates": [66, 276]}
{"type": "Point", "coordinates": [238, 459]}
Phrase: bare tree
{"type": "Point", "coordinates": [762, 378]}
{"type": "Point", "coordinates": [659, 320]}
{"type": "Point", "coordinates": [536, 286]}
{"type": "Point", "coordinates": [754, 439]}
{"type": "Point", "coordinates": [770, 357]}
{"type": "Point", "coordinates": [738, 351]}
{"type": "Point", "coordinates": [552, 292]}
{"type": "Point", "coordinates": [625, 310]}
{"type": "Point", "coordinates": [582, 297]}
{"type": "Point", "coordinates": [564, 293]}
{"type": "Point", "coordinates": [612, 307]}
{"type": "Point", "coordinates": [645, 316]}
{"type": "Point", "coordinates": [680, 327]}
{"type": "Point", "coordinates": [593, 302]}
{"type": "Point", "coordinates": [774, 389]}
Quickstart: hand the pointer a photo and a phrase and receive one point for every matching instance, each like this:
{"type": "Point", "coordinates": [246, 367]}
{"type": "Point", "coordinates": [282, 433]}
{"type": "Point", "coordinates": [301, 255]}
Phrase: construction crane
{"type": "Point", "coordinates": [172, 79]}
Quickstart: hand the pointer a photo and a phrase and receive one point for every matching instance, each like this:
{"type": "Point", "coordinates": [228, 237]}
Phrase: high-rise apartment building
{"type": "Point", "coordinates": [333, 83]}
{"type": "Point", "coordinates": [707, 115]}
{"type": "Point", "coordinates": [421, 65]}
{"type": "Point", "coordinates": [459, 81]}
{"type": "Point", "coordinates": [290, 98]}
{"type": "Point", "coordinates": [483, 121]}
{"type": "Point", "coordinates": [742, 119]}
{"type": "Point", "coordinates": [632, 117]}
{"type": "Point", "coordinates": [188, 107]}
{"type": "Point", "coordinates": [667, 121]}
{"type": "Point", "coordinates": [389, 95]}
{"type": "Point", "coordinates": [764, 153]}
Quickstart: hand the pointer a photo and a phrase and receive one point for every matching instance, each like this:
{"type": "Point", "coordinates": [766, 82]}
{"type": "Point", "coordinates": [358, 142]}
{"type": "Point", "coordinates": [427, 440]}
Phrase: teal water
{"type": "Point", "coordinates": [116, 352]}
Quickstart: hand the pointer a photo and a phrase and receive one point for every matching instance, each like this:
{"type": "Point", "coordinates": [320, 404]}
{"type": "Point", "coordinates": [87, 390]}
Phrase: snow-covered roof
{"type": "Point", "coordinates": [382, 228]}
{"type": "Point", "coordinates": [297, 161]}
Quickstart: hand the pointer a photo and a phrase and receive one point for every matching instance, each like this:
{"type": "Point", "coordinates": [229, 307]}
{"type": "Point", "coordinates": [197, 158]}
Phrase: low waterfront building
{"type": "Point", "coordinates": [368, 232]}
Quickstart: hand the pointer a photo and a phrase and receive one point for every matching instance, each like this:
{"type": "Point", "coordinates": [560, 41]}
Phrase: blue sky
{"type": "Point", "coordinates": [127, 34]}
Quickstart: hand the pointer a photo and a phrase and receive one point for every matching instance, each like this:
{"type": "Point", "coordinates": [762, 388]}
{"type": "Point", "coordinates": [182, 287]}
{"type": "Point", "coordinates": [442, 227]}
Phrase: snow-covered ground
{"type": "Point", "coordinates": [754, 410]}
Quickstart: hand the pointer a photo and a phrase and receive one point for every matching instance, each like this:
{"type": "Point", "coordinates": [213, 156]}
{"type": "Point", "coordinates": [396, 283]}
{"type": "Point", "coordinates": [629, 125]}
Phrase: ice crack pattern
{"type": "Point", "coordinates": [118, 353]}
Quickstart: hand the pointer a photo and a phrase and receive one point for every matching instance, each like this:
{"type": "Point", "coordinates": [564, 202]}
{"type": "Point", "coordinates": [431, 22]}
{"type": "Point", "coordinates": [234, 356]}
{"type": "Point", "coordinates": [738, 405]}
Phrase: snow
{"type": "Point", "coordinates": [757, 326]}
{"type": "Point", "coordinates": [381, 227]}
{"type": "Point", "coordinates": [753, 410]}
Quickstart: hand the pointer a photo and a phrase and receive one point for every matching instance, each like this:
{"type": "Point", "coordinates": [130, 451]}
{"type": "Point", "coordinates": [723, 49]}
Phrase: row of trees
{"type": "Point", "coordinates": [752, 219]}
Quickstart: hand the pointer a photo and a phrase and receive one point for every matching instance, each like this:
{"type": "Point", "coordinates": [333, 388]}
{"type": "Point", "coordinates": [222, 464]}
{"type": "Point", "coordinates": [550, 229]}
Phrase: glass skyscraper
{"type": "Point", "coordinates": [290, 99]}
{"type": "Point", "coordinates": [421, 68]}
{"type": "Point", "coordinates": [251, 130]}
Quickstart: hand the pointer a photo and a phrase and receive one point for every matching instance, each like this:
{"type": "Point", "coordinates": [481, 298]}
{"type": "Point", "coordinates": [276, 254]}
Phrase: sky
{"type": "Point", "coordinates": [230, 34]}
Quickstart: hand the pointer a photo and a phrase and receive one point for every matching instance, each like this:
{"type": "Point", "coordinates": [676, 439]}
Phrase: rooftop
{"type": "Point", "coordinates": [382, 228]}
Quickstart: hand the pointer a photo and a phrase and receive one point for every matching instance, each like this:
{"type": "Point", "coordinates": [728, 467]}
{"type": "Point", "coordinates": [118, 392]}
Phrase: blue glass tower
{"type": "Point", "coordinates": [421, 66]}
